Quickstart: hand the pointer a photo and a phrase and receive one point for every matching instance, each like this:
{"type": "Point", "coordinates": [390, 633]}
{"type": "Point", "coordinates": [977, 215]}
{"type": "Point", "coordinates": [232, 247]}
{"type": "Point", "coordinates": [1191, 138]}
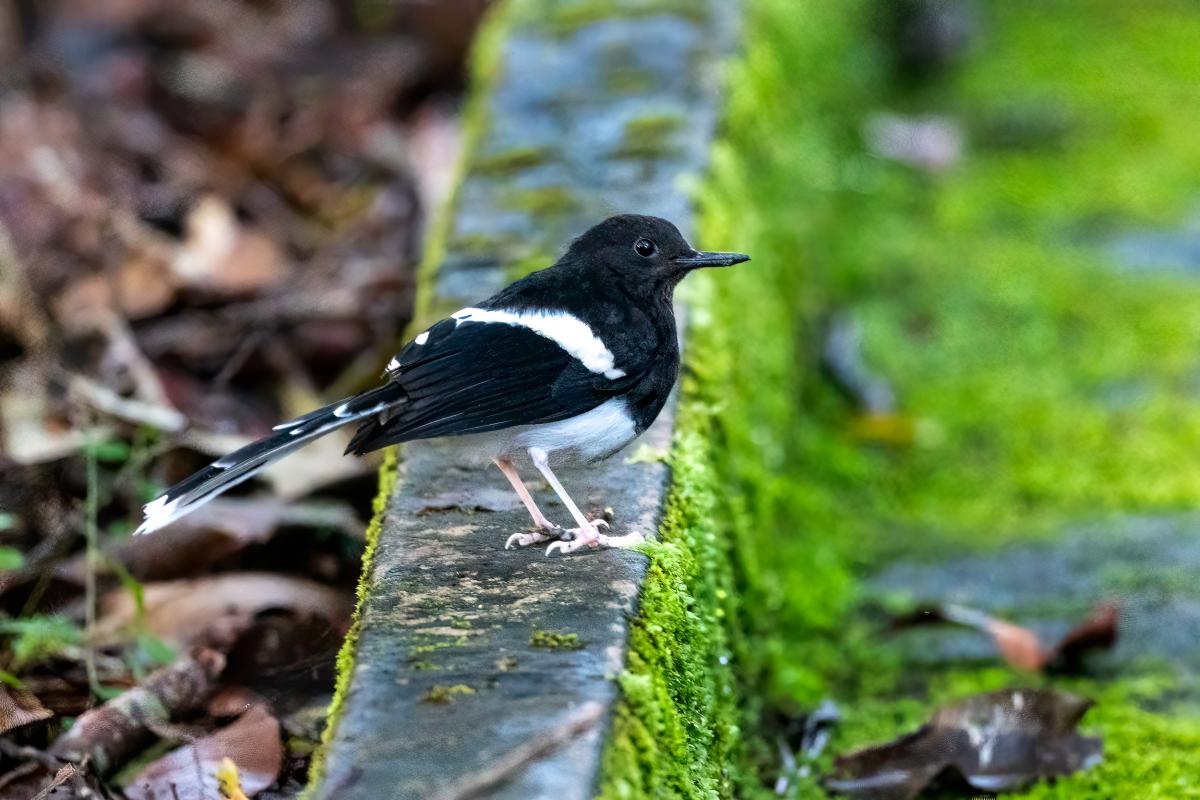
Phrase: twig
{"type": "Point", "coordinates": [101, 398]}
{"type": "Point", "coordinates": [123, 348]}
{"type": "Point", "coordinates": [239, 358]}
{"type": "Point", "coordinates": [64, 774]}
{"type": "Point", "coordinates": [113, 733]}
{"type": "Point", "coordinates": [91, 529]}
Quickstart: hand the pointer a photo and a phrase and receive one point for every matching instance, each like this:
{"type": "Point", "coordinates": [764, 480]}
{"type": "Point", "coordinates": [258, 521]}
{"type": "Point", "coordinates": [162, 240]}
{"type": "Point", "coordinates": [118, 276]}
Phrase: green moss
{"type": "Point", "coordinates": [550, 640]}
{"type": "Point", "coordinates": [991, 309]}
{"type": "Point", "coordinates": [566, 17]}
{"type": "Point", "coordinates": [443, 694]}
{"type": "Point", "coordinates": [506, 162]}
{"type": "Point", "coordinates": [624, 79]}
{"type": "Point", "coordinates": [433, 646]}
{"type": "Point", "coordinates": [676, 729]}
{"type": "Point", "coordinates": [649, 136]}
{"type": "Point", "coordinates": [542, 201]}
{"type": "Point", "coordinates": [478, 244]}
{"type": "Point", "coordinates": [388, 475]}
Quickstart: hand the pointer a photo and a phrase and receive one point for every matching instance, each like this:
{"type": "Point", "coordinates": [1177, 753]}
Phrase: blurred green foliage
{"type": "Point", "coordinates": [38, 638]}
{"type": "Point", "coordinates": [987, 299]}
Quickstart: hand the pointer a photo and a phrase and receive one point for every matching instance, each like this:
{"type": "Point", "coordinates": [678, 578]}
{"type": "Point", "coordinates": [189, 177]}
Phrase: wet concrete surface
{"type": "Point", "coordinates": [448, 696]}
{"type": "Point", "coordinates": [1147, 565]}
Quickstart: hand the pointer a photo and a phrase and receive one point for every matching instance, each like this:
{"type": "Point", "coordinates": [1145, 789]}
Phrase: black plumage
{"type": "Point", "coordinates": [579, 357]}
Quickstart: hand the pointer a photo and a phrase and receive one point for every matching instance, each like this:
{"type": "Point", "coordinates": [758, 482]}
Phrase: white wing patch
{"type": "Point", "coordinates": [567, 331]}
{"type": "Point", "coordinates": [394, 364]}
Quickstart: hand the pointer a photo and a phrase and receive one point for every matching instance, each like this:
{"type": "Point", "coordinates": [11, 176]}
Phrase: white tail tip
{"type": "Point", "coordinates": [159, 513]}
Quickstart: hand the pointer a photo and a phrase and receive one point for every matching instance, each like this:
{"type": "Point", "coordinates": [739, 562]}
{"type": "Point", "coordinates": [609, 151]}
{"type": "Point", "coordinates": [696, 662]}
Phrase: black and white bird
{"type": "Point", "coordinates": [568, 364]}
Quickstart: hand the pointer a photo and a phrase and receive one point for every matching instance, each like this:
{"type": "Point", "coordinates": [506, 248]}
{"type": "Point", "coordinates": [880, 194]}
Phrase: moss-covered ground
{"type": "Point", "coordinates": [987, 299]}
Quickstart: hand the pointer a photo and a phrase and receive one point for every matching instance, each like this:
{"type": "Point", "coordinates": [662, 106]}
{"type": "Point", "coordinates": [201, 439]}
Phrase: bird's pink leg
{"type": "Point", "coordinates": [545, 528]}
{"type": "Point", "coordinates": [586, 534]}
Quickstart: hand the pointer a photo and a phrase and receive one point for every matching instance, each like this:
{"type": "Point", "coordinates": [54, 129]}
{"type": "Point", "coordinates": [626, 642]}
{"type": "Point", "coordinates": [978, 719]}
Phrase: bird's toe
{"type": "Point", "coordinates": [526, 538]}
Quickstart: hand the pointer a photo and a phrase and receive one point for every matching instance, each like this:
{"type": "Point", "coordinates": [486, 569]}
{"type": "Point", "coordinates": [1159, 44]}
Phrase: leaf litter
{"type": "Point", "coordinates": [991, 742]}
{"type": "Point", "coordinates": [210, 221]}
{"type": "Point", "coordinates": [1020, 646]}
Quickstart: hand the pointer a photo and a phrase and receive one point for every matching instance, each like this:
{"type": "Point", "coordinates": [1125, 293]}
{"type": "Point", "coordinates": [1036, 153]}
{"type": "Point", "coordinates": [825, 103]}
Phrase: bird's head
{"type": "Point", "coordinates": [645, 251]}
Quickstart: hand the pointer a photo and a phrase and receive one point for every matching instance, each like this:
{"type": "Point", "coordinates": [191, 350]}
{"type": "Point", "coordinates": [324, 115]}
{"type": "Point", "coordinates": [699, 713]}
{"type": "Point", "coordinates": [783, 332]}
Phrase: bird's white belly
{"type": "Point", "coordinates": [589, 436]}
{"type": "Point", "coordinates": [594, 434]}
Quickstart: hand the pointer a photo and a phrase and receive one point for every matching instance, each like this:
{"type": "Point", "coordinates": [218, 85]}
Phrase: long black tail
{"type": "Point", "coordinates": [230, 470]}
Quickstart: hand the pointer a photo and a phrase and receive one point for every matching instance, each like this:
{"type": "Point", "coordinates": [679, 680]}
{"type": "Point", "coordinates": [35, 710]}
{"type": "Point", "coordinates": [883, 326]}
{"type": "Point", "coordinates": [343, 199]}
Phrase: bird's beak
{"type": "Point", "coordinates": [702, 259]}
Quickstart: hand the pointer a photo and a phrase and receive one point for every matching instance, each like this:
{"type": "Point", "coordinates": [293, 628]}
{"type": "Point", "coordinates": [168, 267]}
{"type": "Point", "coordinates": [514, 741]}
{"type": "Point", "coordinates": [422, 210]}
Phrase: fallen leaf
{"type": "Point", "coordinates": [215, 610]}
{"type": "Point", "coordinates": [232, 701]}
{"type": "Point", "coordinates": [1097, 632]}
{"type": "Point", "coordinates": [30, 430]}
{"type": "Point", "coordinates": [143, 288]}
{"type": "Point", "coordinates": [990, 742]}
{"type": "Point", "coordinates": [221, 256]}
{"type": "Point", "coordinates": [252, 743]}
{"type": "Point", "coordinates": [84, 305]}
{"type": "Point", "coordinates": [19, 707]}
{"type": "Point", "coordinates": [214, 532]}
{"type": "Point", "coordinates": [1020, 646]}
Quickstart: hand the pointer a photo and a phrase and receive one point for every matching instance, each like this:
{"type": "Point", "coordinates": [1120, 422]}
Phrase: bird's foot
{"type": "Point", "coordinates": [542, 534]}
{"type": "Point", "coordinates": [592, 538]}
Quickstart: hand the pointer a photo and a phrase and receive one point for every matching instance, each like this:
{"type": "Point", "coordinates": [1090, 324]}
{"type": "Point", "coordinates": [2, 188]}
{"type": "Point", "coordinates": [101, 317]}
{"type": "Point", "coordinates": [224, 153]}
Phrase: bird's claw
{"type": "Point", "coordinates": [599, 540]}
{"type": "Point", "coordinates": [576, 537]}
{"type": "Point", "coordinates": [526, 538]}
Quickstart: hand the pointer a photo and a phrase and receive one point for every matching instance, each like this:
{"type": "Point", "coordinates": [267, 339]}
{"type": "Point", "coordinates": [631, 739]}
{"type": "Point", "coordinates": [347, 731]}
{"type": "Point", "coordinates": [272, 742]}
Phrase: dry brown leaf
{"type": "Point", "coordinates": [252, 742]}
{"type": "Point", "coordinates": [191, 545]}
{"type": "Point", "coordinates": [30, 432]}
{"type": "Point", "coordinates": [221, 256]}
{"type": "Point", "coordinates": [19, 707]}
{"type": "Point", "coordinates": [989, 742]}
{"type": "Point", "coordinates": [1020, 646]}
{"type": "Point", "coordinates": [144, 288]}
{"type": "Point", "coordinates": [1097, 632]}
{"type": "Point", "coordinates": [214, 610]}
{"type": "Point", "coordinates": [84, 305]}
{"type": "Point", "coordinates": [232, 701]}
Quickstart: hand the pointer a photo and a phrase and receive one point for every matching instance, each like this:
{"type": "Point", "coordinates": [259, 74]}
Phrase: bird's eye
{"type": "Point", "coordinates": [645, 248]}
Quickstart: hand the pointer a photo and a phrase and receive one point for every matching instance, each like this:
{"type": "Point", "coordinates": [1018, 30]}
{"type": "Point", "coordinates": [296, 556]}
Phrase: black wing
{"type": "Point", "coordinates": [473, 377]}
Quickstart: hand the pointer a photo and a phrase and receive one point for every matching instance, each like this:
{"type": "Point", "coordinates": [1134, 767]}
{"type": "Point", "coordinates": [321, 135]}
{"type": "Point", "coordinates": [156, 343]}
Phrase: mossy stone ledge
{"type": "Point", "coordinates": [471, 670]}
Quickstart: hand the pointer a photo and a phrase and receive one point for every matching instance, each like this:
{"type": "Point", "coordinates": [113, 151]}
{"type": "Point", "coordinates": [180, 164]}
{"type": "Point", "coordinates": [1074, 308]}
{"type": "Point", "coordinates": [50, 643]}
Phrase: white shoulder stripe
{"type": "Point", "coordinates": [567, 331]}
